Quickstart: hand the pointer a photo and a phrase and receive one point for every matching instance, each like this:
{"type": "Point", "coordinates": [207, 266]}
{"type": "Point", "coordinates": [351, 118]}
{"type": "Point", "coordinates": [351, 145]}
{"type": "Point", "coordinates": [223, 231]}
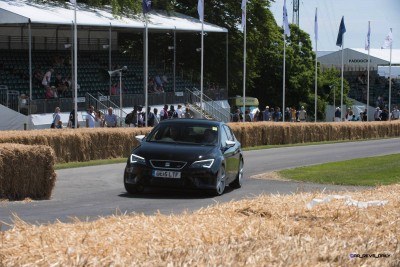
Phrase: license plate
{"type": "Point", "coordinates": [166, 174]}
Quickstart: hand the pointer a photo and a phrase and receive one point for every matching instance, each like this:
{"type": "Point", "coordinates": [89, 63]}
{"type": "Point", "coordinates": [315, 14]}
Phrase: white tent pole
{"type": "Point", "coordinates": [146, 69]}
{"type": "Point", "coordinates": [109, 57]}
{"type": "Point", "coordinates": [369, 44]}
{"type": "Point", "coordinates": [390, 77]}
{"type": "Point", "coordinates": [30, 71]}
{"type": "Point", "coordinates": [202, 65]}
{"type": "Point", "coordinates": [75, 68]}
{"type": "Point", "coordinates": [227, 62]}
{"type": "Point", "coordinates": [284, 77]}
{"type": "Point", "coordinates": [244, 65]}
{"type": "Point", "coordinates": [316, 81]}
{"type": "Point", "coordinates": [174, 70]}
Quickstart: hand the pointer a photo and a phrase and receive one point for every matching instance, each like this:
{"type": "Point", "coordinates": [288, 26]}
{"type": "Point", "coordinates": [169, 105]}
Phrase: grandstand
{"type": "Point", "coordinates": [49, 26]}
{"type": "Point", "coordinates": [355, 72]}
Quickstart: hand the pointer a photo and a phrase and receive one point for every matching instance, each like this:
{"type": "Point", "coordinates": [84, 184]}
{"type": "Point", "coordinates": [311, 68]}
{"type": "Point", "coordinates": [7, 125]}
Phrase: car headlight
{"type": "Point", "coordinates": [207, 163]}
{"type": "Point", "coordinates": [137, 159]}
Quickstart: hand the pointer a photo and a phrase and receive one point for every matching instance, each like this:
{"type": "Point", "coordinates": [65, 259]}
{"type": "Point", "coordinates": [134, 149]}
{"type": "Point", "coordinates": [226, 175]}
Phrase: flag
{"type": "Point", "coordinates": [72, 1]}
{"type": "Point", "coordinates": [146, 5]}
{"type": "Point", "coordinates": [316, 25]}
{"type": "Point", "coordinates": [200, 9]}
{"type": "Point", "coordinates": [388, 40]}
{"type": "Point", "coordinates": [286, 29]}
{"type": "Point", "coordinates": [368, 38]}
{"type": "Point", "coordinates": [342, 30]}
{"type": "Point", "coordinates": [244, 2]}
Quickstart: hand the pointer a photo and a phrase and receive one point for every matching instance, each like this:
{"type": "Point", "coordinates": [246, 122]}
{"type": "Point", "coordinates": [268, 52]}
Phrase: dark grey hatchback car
{"type": "Point", "coordinates": [186, 153]}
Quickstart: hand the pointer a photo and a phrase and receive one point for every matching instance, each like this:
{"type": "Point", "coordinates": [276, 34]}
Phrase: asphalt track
{"type": "Point", "coordinates": [89, 192]}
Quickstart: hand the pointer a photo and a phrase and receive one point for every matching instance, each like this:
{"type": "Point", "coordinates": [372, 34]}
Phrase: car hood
{"type": "Point", "coordinates": [171, 151]}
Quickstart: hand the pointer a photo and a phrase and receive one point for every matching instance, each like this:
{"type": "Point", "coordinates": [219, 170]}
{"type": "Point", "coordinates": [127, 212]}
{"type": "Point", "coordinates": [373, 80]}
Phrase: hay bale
{"type": "Point", "coordinates": [267, 230]}
{"type": "Point", "coordinates": [26, 171]}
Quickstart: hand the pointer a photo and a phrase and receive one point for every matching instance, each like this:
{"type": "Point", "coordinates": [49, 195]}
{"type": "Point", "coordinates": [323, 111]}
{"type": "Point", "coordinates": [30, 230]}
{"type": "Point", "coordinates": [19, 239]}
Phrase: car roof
{"type": "Point", "coordinates": [191, 121]}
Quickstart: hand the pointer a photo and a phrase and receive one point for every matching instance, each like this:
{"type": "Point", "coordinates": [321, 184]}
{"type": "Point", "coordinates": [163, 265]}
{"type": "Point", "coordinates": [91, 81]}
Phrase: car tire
{"type": "Point", "coordinates": [237, 183]}
{"type": "Point", "coordinates": [133, 189]}
{"type": "Point", "coordinates": [220, 182]}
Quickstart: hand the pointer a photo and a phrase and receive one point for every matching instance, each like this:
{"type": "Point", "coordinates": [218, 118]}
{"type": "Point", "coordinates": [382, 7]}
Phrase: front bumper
{"type": "Point", "coordinates": [193, 178]}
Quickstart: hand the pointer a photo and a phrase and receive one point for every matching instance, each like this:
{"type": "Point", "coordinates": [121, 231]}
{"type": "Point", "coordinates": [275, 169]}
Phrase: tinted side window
{"type": "Point", "coordinates": [229, 133]}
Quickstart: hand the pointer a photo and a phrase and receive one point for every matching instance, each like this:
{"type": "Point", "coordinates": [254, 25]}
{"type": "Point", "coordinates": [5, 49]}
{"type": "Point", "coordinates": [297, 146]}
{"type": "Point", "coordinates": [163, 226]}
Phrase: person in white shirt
{"type": "Point", "coordinates": [395, 113]}
{"type": "Point", "coordinates": [90, 117]}
{"type": "Point", "coordinates": [179, 111]}
{"type": "Point", "coordinates": [110, 119]}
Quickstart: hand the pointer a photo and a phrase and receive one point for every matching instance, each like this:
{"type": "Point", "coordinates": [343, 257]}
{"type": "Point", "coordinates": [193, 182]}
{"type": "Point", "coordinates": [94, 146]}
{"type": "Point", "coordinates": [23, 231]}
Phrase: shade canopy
{"type": "Point", "coordinates": [24, 11]}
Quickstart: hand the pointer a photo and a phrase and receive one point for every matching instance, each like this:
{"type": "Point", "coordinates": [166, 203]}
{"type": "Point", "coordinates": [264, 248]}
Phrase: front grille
{"type": "Point", "coordinates": [167, 164]}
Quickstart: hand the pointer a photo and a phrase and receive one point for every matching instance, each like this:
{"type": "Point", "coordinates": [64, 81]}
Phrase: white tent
{"type": "Point", "coordinates": [24, 11]}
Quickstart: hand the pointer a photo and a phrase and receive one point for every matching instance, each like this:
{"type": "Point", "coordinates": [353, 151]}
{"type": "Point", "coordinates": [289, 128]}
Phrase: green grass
{"type": "Point", "coordinates": [68, 165]}
{"type": "Point", "coordinates": [372, 171]}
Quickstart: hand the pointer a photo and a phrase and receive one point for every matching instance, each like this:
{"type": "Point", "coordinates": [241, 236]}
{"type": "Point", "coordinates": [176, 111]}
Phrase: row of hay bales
{"type": "Point", "coordinates": [26, 171]}
{"type": "Point", "coordinates": [103, 143]}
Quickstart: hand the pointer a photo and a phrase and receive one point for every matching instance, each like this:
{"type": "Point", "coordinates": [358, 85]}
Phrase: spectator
{"type": "Point", "coordinates": [60, 85]}
{"type": "Point", "coordinates": [237, 116]}
{"type": "Point", "coordinates": [71, 119]}
{"type": "Point", "coordinates": [150, 117]}
{"type": "Point", "coordinates": [57, 123]}
{"type": "Point", "coordinates": [110, 119]}
{"type": "Point", "coordinates": [51, 92]}
{"type": "Point", "coordinates": [293, 113]}
{"type": "Point", "coordinates": [247, 116]}
{"type": "Point", "coordinates": [364, 115]}
{"type": "Point", "coordinates": [188, 112]}
{"type": "Point", "coordinates": [179, 113]}
{"type": "Point", "coordinates": [395, 113]}
{"type": "Point", "coordinates": [377, 114]}
{"type": "Point", "coordinates": [288, 115]}
{"type": "Point", "coordinates": [350, 116]}
{"type": "Point", "coordinates": [47, 79]}
{"type": "Point", "coordinates": [164, 113]}
{"type": "Point", "coordinates": [171, 111]}
{"type": "Point", "coordinates": [384, 115]}
{"type": "Point", "coordinates": [90, 117]}
{"type": "Point", "coordinates": [156, 117]}
{"type": "Point", "coordinates": [277, 114]}
{"type": "Point", "coordinates": [266, 114]}
{"type": "Point", "coordinates": [99, 119]}
{"type": "Point", "coordinates": [338, 115]}
{"type": "Point", "coordinates": [302, 114]}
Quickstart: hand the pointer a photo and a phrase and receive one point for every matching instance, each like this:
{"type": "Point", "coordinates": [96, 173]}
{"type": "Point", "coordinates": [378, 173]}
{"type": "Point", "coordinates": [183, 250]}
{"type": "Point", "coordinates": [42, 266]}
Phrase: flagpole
{"type": "Point", "coordinates": [390, 76]}
{"type": "Point", "coordinates": [202, 62]}
{"type": "Point", "coordinates": [369, 47]}
{"type": "Point", "coordinates": [284, 76]}
{"type": "Point", "coordinates": [244, 65]}
{"type": "Point", "coordinates": [341, 85]}
{"type": "Point", "coordinates": [316, 66]}
{"type": "Point", "coordinates": [75, 69]}
{"type": "Point", "coordinates": [146, 70]}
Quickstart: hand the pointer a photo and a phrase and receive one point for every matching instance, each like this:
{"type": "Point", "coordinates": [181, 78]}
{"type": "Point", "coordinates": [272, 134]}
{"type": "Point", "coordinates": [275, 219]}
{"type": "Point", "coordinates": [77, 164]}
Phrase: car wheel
{"type": "Point", "coordinates": [133, 189]}
{"type": "Point", "coordinates": [221, 182]}
{"type": "Point", "coordinates": [237, 183]}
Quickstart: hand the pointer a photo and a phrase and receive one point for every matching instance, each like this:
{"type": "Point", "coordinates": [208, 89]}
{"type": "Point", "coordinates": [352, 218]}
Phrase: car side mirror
{"type": "Point", "coordinates": [229, 144]}
{"type": "Point", "coordinates": [140, 138]}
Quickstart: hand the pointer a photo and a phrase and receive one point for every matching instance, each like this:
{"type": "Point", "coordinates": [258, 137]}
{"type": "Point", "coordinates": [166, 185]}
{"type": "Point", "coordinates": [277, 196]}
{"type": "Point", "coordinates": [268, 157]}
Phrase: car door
{"type": "Point", "coordinates": [231, 154]}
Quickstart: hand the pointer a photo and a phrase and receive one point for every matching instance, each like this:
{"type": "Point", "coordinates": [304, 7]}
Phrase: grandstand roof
{"type": "Point", "coordinates": [24, 11]}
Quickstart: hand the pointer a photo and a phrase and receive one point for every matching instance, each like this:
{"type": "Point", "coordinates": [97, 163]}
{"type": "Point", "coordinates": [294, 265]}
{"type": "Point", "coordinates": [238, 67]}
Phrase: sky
{"type": "Point", "coordinates": [383, 14]}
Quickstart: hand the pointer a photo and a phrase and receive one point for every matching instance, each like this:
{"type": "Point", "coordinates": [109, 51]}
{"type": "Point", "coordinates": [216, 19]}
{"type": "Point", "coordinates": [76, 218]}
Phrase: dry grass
{"type": "Point", "coordinates": [264, 231]}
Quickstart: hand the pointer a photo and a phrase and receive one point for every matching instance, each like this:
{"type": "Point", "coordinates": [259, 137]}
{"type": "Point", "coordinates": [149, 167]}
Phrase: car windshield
{"type": "Point", "coordinates": [198, 134]}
